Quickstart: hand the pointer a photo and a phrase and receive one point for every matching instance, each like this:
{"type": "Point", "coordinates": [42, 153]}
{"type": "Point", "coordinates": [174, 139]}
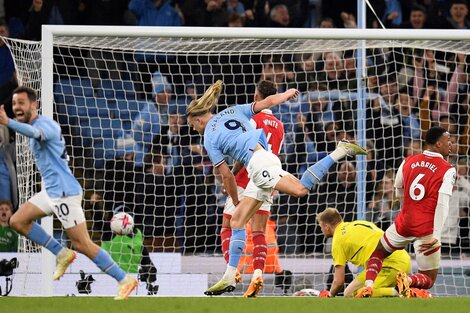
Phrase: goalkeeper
{"type": "Point", "coordinates": [61, 195]}
{"type": "Point", "coordinates": [354, 242]}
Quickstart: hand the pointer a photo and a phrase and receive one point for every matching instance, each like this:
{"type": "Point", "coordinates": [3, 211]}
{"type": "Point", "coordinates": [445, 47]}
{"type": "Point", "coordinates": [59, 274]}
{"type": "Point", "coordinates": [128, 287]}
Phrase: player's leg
{"type": "Point", "coordinates": [389, 242]}
{"type": "Point", "coordinates": [82, 242]}
{"type": "Point", "coordinates": [384, 285]}
{"type": "Point", "coordinates": [244, 211]}
{"type": "Point", "coordinates": [429, 262]}
{"type": "Point", "coordinates": [314, 174]}
{"type": "Point", "coordinates": [71, 215]}
{"type": "Point", "coordinates": [260, 249]}
{"type": "Point", "coordinates": [22, 221]}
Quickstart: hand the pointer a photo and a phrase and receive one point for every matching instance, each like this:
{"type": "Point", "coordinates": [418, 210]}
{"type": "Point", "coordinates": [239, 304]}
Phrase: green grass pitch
{"type": "Point", "coordinates": [230, 304]}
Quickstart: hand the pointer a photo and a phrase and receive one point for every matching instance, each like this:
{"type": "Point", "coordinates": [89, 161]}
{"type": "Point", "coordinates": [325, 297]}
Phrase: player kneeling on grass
{"type": "Point", "coordinates": [62, 194]}
{"type": "Point", "coordinates": [424, 182]}
{"type": "Point", "coordinates": [354, 242]}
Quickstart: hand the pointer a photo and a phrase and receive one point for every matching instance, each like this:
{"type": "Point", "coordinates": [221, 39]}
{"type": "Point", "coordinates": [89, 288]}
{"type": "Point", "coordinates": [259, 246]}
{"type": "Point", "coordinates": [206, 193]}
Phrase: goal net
{"type": "Point", "coordinates": [120, 95]}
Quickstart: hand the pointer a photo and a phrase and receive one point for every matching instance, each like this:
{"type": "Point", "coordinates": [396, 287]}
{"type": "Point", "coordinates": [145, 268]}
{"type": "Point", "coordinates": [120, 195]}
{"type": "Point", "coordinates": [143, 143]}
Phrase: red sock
{"type": "Point", "coordinates": [225, 234]}
{"type": "Point", "coordinates": [374, 265]}
{"type": "Point", "coordinates": [421, 280]}
{"type": "Point", "coordinates": [260, 250]}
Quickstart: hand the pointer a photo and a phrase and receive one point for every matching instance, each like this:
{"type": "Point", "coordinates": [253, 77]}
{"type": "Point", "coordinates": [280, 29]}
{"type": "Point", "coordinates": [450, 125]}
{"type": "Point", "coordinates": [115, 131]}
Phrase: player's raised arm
{"type": "Point", "coordinates": [276, 99]}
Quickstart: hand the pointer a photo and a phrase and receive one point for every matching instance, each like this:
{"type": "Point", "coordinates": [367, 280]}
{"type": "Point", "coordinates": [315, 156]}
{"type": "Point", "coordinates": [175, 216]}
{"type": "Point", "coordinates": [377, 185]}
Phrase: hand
{"type": "Point", "coordinates": [428, 244]}
{"type": "Point", "coordinates": [3, 116]}
{"type": "Point", "coordinates": [392, 15]}
{"type": "Point", "coordinates": [292, 94]}
{"type": "Point", "coordinates": [324, 294]}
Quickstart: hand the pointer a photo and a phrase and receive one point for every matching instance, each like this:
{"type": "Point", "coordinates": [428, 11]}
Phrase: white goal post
{"type": "Point", "coordinates": [97, 81]}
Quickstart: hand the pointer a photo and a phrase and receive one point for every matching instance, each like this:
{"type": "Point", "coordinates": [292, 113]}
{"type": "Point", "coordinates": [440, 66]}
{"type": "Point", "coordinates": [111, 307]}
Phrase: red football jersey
{"type": "Point", "coordinates": [422, 178]}
{"type": "Point", "coordinates": [274, 131]}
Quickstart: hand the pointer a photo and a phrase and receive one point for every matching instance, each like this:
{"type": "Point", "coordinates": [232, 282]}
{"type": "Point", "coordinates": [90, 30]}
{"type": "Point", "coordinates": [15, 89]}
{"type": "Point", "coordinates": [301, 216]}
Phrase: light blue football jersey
{"type": "Point", "coordinates": [52, 160]}
{"type": "Point", "coordinates": [230, 133]}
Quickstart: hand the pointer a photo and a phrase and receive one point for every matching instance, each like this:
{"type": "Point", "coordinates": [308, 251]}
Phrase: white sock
{"type": "Point", "coordinates": [338, 154]}
{"type": "Point", "coordinates": [369, 283]}
{"type": "Point", "coordinates": [231, 271]}
{"type": "Point", "coordinates": [257, 273]}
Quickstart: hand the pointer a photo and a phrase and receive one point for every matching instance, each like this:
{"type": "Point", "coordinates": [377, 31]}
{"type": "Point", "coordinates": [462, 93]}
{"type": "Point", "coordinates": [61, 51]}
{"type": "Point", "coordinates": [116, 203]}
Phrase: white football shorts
{"type": "Point", "coordinates": [427, 260]}
{"type": "Point", "coordinates": [229, 208]}
{"type": "Point", "coordinates": [264, 171]}
{"type": "Point", "coordinates": [67, 209]}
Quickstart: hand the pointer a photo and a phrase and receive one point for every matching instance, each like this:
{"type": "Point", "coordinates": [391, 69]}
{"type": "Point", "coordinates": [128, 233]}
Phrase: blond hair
{"type": "Point", "coordinates": [330, 216]}
{"type": "Point", "coordinates": [207, 102]}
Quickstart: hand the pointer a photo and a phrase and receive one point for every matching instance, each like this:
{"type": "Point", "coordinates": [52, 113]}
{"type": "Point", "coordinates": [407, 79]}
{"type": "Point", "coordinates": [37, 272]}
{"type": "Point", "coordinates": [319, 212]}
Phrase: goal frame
{"type": "Point", "coordinates": [47, 95]}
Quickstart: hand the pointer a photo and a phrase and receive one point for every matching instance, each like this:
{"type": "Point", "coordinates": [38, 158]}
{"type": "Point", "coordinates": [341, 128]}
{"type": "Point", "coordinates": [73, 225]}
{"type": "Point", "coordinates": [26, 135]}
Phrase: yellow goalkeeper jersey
{"type": "Point", "coordinates": [355, 241]}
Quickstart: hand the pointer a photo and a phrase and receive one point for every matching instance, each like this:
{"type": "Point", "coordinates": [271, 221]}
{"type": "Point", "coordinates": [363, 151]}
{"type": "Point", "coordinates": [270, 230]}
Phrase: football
{"type": "Point", "coordinates": [122, 224]}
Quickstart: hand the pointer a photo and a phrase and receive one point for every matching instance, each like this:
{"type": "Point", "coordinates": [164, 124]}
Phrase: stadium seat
{"type": "Point", "coordinates": [117, 89]}
{"type": "Point", "coordinates": [67, 90]}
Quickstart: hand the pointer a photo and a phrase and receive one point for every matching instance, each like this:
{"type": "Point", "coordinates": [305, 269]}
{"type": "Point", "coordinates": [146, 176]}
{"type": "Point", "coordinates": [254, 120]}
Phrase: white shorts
{"type": "Point", "coordinates": [427, 260]}
{"type": "Point", "coordinates": [229, 208]}
{"type": "Point", "coordinates": [68, 209]}
{"type": "Point", "coordinates": [264, 171]}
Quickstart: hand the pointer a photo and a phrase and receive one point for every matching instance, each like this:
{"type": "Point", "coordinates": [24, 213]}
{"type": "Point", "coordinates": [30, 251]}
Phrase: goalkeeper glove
{"type": "Point", "coordinates": [325, 294]}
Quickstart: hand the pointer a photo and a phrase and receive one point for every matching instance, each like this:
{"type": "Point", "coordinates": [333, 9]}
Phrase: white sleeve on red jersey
{"type": "Point", "coordinates": [441, 213]}
{"type": "Point", "coordinates": [399, 181]}
{"type": "Point", "coordinates": [253, 123]}
{"type": "Point", "coordinates": [448, 181]}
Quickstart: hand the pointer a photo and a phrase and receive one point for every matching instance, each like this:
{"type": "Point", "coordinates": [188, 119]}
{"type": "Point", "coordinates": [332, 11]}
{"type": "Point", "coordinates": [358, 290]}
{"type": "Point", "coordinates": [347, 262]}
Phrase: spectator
{"type": "Point", "coordinates": [279, 16]}
{"type": "Point", "coordinates": [155, 13]}
{"type": "Point", "coordinates": [458, 209]}
{"type": "Point", "coordinates": [54, 12]}
{"type": "Point", "coordinates": [7, 71]}
{"type": "Point", "coordinates": [409, 120]}
{"type": "Point", "coordinates": [8, 237]}
{"type": "Point", "coordinates": [92, 11]}
{"type": "Point", "coordinates": [235, 6]}
{"type": "Point", "coordinates": [385, 205]}
{"type": "Point", "coordinates": [457, 18]}
{"type": "Point", "coordinates": [417, 19]}
{"type": "Point", "coordinates": [340, 191]}
{"type": "Point", "coordinates": [205, 13]}
{"type": "Point", "coordinates": [326, 22]}
{"type": "Point", "coordinates": [413, 147]}
{"type": "Point", "coordinates": [8, 182]}
{"type": "Point", "coordinates": [236, 20]}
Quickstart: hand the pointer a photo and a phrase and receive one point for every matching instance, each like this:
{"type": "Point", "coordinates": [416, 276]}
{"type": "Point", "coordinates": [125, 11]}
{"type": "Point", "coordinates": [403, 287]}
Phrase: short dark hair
{"type": "Point", "coordinates": [32, 95]}
{"type": "Point", "coordinates": [418, 7]}
{"type": "Point", "coordinates": [266, 88]}
{"type": "Point", "coordinates": [7, 203]}
{"type": "Point", "coordinates": [434, 134]}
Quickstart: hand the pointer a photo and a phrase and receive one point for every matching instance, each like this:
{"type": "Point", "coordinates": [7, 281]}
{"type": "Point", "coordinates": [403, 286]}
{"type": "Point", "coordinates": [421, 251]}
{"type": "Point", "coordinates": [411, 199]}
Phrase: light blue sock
{"type": "Point", "coordinates": [315, 173]}
{"type": "Point", "coordinates": [237, 243]}
{"type": "Point", "coordinates": [106, 264]}
{"type": "Point", "coordinates": [39, 235]}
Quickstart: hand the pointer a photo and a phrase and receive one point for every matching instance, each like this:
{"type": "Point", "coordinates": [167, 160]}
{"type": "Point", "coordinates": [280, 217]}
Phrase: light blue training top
{"type": "Point", "coordinates": [48, 147]}
{"type": "Point", "coordinates": [230, 133]}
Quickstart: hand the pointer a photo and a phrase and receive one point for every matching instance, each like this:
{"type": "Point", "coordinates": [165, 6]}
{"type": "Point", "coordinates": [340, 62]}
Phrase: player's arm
{"type": "Point", "coordinates": [228, 181]}
{"type": "Point", "coordinates": [338, 280]}
{"type": "Point", "coordinates": [22, 128]}
{"type": "Point", "coordinates": [237, 166]}
{"type": "Point", "coordinates": [274, 100]}
{"type": "Point", "coordinates": [399, 182]}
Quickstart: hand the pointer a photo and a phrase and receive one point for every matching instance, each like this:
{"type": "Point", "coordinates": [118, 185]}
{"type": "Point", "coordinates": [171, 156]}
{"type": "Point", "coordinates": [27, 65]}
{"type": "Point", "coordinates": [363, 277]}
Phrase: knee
{"type": "Point", "coordinates": [82, 246]}
{"type": "Point", "coordinates": [17, 225]}
{"type": "Point", "coordinates": [301, 192]}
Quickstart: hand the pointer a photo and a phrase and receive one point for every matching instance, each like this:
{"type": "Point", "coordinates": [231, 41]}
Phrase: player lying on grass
{"type": "Point", "coordinates": [274, 131]}
{"type": "Point", "coordinates": [424, 182]}
{"type": "Point", "coordinates": [62, 194]}
{"type": "Point", "coordinates": [230, 133]}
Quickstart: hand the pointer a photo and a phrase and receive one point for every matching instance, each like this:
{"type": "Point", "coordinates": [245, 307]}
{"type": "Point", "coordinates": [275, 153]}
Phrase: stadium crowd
{"type": "Point", "coordinates": [162, 174]}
